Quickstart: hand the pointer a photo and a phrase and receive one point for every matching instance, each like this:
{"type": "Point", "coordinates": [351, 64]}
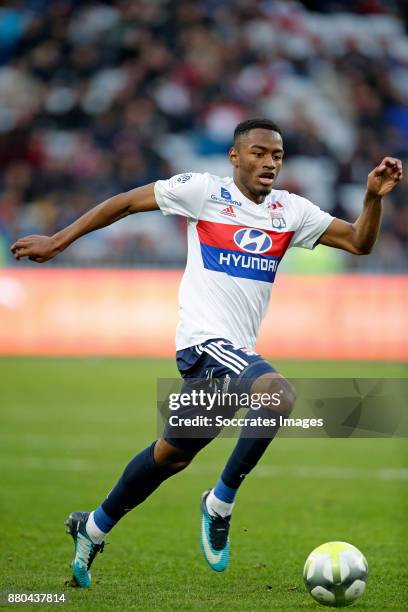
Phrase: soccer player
{"type": "Point", "coordinates": [239, 228]}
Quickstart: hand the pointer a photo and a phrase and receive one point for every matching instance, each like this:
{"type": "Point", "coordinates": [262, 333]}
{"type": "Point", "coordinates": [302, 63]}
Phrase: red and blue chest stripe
{"type": "Point", "coordinates": [239, 250]}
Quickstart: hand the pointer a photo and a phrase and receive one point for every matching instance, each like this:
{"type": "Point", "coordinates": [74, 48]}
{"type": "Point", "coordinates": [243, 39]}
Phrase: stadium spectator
{"type": "Point", "coordinates": [80, 120]}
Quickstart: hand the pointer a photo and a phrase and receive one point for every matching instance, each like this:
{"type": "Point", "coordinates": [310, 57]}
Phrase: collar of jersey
{"type": "Point", "coordinates": [247, 200]}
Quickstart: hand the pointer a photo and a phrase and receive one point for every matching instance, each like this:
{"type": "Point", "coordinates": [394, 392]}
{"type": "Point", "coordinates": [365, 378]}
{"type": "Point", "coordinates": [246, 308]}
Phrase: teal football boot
{"type": "Point", "coordinates": [214, 537]}
{"type": "Point", "coordinates": [85, 549]}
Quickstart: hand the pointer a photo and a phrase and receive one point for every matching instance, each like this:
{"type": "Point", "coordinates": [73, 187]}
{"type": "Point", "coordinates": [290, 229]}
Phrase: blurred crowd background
{"type": "Point", "coordinates": [100, 97]}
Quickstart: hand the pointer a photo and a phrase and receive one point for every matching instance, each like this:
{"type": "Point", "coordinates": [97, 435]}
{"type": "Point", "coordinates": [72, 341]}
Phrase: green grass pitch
{"type": "Point", "coordinates": [69, 426]}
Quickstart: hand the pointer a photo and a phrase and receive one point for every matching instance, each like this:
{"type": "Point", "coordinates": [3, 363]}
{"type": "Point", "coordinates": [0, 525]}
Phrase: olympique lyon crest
{"type": "Point", "coordinates": [276, 210]}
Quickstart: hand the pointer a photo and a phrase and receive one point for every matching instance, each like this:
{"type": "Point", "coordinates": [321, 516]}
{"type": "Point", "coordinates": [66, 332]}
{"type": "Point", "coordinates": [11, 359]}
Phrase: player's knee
{"type": "Point", "coordinates": [288, 397]}
{"type": "Point", "coordinates": [275, 392]}
{"type": "Point", "coordinates": [176, 466]}
{"type": "Point", "coordinates": [170, 458]}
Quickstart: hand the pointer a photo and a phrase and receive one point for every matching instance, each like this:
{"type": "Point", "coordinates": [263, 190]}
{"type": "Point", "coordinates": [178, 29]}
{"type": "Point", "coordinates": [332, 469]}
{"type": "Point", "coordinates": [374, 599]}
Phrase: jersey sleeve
{"type": "Point", "coordinates": [182, 194]}
{"type": "Point", "coordinates": [313, 223]}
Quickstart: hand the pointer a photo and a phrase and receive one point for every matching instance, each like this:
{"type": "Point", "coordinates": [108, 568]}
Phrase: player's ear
{"type": "Point", "coordinates": [233, 157]}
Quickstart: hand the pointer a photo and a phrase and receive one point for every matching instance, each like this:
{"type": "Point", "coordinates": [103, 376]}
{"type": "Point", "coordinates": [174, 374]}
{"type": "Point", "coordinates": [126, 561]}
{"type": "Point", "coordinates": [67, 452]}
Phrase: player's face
{"type": "Point", "coordinates": [257, 161]}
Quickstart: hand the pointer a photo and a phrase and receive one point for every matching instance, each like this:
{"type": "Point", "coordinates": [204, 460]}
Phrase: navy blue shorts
{"type": "Point", "coordinates": [220, 362]}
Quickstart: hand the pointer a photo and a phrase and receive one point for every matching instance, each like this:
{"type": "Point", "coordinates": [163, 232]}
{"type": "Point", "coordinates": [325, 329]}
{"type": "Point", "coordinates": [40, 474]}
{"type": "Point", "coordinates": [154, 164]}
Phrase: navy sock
{"type": "Point", "coordinates": [140, 478]}
{"type": "Point", "coordinates": [245, 456]}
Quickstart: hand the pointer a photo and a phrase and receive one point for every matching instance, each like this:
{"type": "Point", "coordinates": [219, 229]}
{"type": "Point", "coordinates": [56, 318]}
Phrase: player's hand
{"type": "Point", "coordinates": [36, 248]}
{"type": "Point", "coordinates": [385, 176]}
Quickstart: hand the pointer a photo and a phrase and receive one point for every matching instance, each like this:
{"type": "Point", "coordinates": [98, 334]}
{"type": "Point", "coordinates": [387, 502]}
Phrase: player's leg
{"type": "Point", "coordinates": [250, 448]}
{"type": "Point", "coordinates": [143, 475]}
{"type": "Point", "coordinates": [217, 503]}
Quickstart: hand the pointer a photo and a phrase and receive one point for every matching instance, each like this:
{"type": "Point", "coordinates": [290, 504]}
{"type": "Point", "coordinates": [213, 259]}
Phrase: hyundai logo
{"type": "Point", "coordinates": [252, 240]}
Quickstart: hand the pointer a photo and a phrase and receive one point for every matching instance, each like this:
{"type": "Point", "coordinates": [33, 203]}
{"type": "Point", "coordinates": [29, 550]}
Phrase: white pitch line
{"type": "Point", "coordinates": [262, 471]}
{"type": "Point", "coordinates": [310, 471]}
{"type": "Point", "coordinates": [47, 464]}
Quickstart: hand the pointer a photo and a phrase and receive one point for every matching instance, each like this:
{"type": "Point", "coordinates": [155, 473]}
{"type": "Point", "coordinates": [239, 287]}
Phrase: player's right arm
{"type": "Point", "coordinates": [43, 248]}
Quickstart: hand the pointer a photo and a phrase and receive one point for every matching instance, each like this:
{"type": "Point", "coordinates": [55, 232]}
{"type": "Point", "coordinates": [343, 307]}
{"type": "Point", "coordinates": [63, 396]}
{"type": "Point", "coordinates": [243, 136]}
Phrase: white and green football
{"type": "Point", "coordinates": [335, 574]}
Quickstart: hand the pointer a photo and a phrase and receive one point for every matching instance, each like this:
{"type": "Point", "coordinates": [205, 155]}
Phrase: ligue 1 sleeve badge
{"type": "Point", "coordinates": [276, 211]}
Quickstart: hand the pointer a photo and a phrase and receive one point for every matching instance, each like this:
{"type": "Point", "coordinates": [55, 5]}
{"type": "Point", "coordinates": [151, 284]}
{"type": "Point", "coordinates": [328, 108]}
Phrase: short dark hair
{"type": "Point", "coordinates": [251, 124]}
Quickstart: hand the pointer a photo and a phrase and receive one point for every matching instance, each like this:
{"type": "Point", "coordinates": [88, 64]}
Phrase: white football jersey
{"type": "Point", "coordinates": [234, 249]}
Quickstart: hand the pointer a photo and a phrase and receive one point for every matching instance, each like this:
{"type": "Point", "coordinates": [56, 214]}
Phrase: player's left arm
{"type": "Point", "coordinates": [359, 237]}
